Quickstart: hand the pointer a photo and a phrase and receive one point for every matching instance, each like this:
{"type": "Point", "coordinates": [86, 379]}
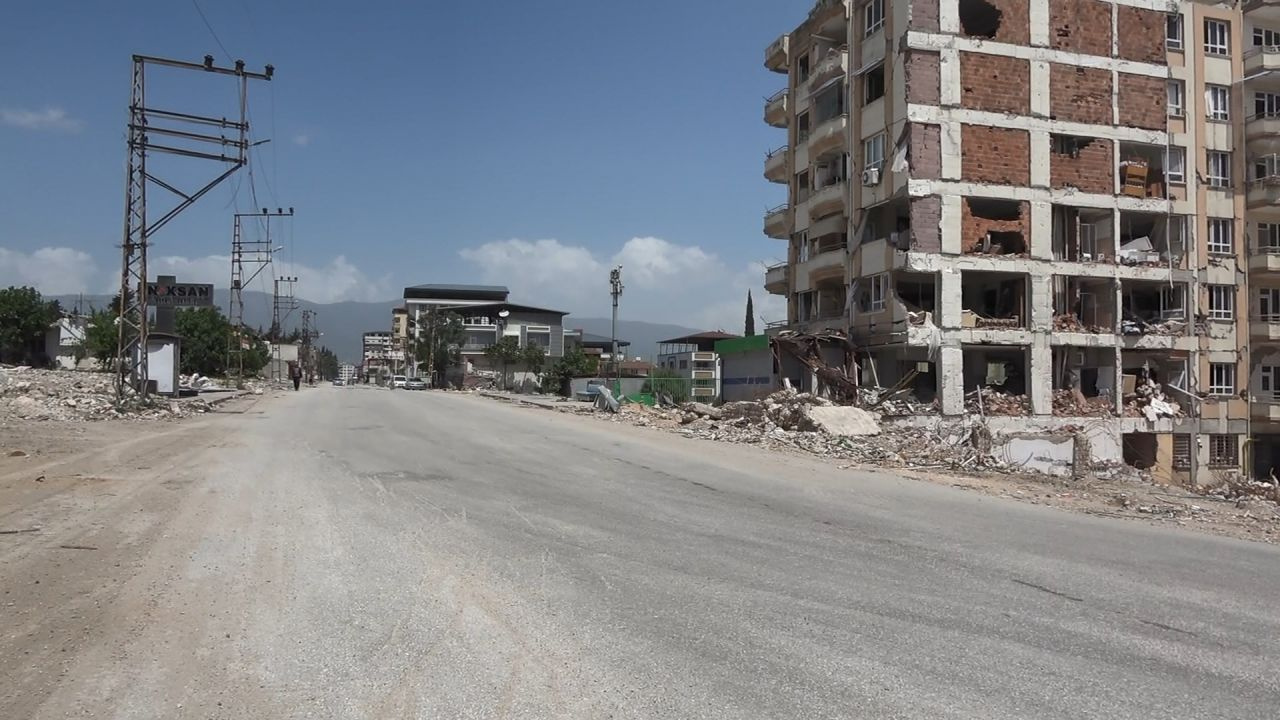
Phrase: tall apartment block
{"type": "Point", "coordinates": [1036, 210]}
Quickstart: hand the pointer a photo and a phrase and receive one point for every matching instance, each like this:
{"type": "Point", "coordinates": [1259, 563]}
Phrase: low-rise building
{"type": "Point", "coordinates": [693, 358]}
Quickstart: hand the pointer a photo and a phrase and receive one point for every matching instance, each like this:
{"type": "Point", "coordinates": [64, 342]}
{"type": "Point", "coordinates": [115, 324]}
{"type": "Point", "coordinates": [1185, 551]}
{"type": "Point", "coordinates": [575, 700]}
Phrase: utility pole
{"type": "Point", "coordinates": [615, 289]}
{"type": "Point", "coordinates": [280, 302]}
{"type": "Point", "coordinates": [306, 354]}
{"type": "Point", "coordinates": [253, 253]}
{"type": "Point", "coordinates": [166, 131]}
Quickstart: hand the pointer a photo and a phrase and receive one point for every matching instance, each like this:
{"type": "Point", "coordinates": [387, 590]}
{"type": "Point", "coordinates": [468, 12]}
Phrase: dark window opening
{"type": "Point", "coordinates": [873, 85]}
{"type": "Point", "coordinates": [989, 209]}
{"type": "Point", "coordinates": [979, 18]}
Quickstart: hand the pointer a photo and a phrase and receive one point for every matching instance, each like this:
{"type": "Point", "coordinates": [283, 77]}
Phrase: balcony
{"type": "Point", "coordinates": [1262, 125]}
{"type": "Point", "coordinates": [777, 55]}
{"type": "Point", "coordinates": [825, 266]}
{"type": "Point", "coordinates": [776, 165]}
{"type": "Point", "coordinates": [1264, 408]}
{"type": "Point", "coordinates": [1261, 60]}
{"type": "Point", "coordinates": [777, 222]}
{"type": "Point", "coordinates": [832, 136]}
{"type": "Point", "coordinates": [775, 278]}
{"type": "Point", "coordinates": [775, 109]}
{"type": "Point", "coordinates": [1265, 328]}
{"type": "Point", "coordinates": [831, 67]}
{"type": "Point", "coordinates": [1263, 258]}
{"type": "Point", "coordinates": [830, 200]}
{"type": "Point", "coordinates": [1263, 192]}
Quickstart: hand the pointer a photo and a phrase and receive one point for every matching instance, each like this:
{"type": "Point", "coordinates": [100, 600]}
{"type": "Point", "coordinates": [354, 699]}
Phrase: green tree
{"type": "Point", "coordinates": [326, 363]}
{"type": "Point", "coordinates": [504, 353]}
{"type": "Point", "coordinates": [750, 328]}
{"type": "Point", "coordinates": [534, 358]}
{"type": "Point", "coordinates": [205, 333]}
{"type": "Point", "coordinates": [25, 317]}
{"type": "Point", "coordinates": [102, 337]}
{"type": "Point", "coordinates": [257, 356]}
{"type": "Point", "coordinates": [441, 336]}
{"type": "Point", "coordinates": [573, 364]}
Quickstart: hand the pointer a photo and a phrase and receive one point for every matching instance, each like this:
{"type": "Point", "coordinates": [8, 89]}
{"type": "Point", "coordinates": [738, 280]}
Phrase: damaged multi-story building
{"type": "Point", "coordinates": [1039, 211]}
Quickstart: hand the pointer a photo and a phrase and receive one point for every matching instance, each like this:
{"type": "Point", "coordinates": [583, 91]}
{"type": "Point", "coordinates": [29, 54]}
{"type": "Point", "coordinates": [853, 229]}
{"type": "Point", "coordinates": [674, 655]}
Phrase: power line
{"type": "Point", "coordinates": [209, 27]}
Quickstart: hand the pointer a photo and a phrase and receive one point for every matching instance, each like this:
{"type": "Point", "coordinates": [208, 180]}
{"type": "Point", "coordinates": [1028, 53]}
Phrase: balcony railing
{"type": "Point", "coordinates": [775, 108]}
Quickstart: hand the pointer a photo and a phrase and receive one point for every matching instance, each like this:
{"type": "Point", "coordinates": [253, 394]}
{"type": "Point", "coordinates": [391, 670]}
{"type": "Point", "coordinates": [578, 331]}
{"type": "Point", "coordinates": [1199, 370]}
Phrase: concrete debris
{"type": "Point", "coordinates": [1071, 403]}
{"type": "Point", "coordinates": [63, 395]}
{"type": "Point", "coordinates": [1149, 400]}
{"type": "Point", "coordinates": [985, 401]}
{"type": "Point", "coordinates": [1138, 326]}
{"type": "Point", "coordinates": [844, 420]}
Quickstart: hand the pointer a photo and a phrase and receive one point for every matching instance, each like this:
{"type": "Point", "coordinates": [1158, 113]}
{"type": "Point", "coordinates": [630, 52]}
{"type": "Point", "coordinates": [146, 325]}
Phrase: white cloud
{"type": "Point", "coordinates": [51, 270]}
{"type": "Point", "coordinates": [50, 118]}
{"type": "Point", "coordinates": [336, 281]}
{"type": "Point", "coordinates": [65, 271]}
{"type": "Point", "coordinates": [302, 139]}
{"type": "Point", "coordinates": [663, 281]}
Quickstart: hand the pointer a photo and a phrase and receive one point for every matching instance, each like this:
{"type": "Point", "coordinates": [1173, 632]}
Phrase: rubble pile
{"type": "Point", "coordinates": [1242, 488]}
{"type": "Point", "coordinates": [985, 401]}
{"type": "Point", "coordinates": [801, 421]}
{"type": "Point", "coordinates": [995, 323]}
{"type": "Point", "coordinates": [60, 395]}
{"type": "Point", "coordinates": [1137, 326]}
{"type": "Point", "coordinates": [1149, 400]}
{"type": "Point", "coordinates": [1071, 403]}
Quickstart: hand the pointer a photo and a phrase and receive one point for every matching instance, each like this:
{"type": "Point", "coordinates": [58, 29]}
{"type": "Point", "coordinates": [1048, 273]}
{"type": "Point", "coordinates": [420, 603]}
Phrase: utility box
{"type": "Point", "coordinates": [164, 356]}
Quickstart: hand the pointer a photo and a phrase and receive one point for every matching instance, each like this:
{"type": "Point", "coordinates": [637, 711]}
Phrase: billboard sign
{"type": "Point", "coordinates": [180, 294]}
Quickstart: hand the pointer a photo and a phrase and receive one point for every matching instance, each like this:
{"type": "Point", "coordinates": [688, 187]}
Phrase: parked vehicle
{"type": "Point", "coordinates": [338, 382]}
{"type": "Point", "coordinates": [398, 381]}
{"type": "Point", "coordinates": [415, 384]}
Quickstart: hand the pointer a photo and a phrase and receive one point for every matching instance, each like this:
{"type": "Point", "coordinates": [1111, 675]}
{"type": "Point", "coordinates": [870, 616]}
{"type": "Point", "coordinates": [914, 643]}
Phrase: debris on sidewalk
{"type": "Point", "coordinates": [29, 394]}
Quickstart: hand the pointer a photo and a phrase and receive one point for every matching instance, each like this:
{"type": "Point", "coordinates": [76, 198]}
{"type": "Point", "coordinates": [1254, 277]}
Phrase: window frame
{"type": "Point", "coordinates": [1220, 236]}
{"type": "Point", "coordinates": [1260, 35]}
{"type": "Point", "coordinates": [1217, 106]}
{"type": "Point", "coordinates": [1173, 31]}
{"type": "Point", "coordinates": [1222, 302]}
{"type": "Point", "coordinates": [870, 24]}
{"type": "Point", "coordinates": [1176, 108]}
{"type": "Point", "coordinates": [1219, 27]}
{"type": "Point", "coordinates": [1179, 152]}
{"type": "Point", "coordinates": [1222, 379]}
{"type": "Point", "coordinates": [1271, 232]}
{"type": "Point", "coordinates": [879, 285]}
{"type": "Point", "coordinates": [1181, 451]}
{"type": "Point", "coordinates": [1217, 180]}
{"type": "Point", "coordinates": [1268, 304]}
{"type": "Point", "coordinates": [866, 87]}
{"type": "Point", "coordinates": [876, 140]}
{"type": "Point", "coordinates": [1224, 450]}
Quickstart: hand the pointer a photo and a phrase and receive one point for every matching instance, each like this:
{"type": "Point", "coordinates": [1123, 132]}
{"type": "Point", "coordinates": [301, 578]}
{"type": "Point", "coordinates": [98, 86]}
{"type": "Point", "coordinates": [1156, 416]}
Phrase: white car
{"type": "Point", "coordinates": [398, 381]}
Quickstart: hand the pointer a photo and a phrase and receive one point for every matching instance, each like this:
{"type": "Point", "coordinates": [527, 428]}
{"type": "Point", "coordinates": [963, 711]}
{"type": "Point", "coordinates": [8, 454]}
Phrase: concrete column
{"type": "Point", "coordinates": [949, 304]}
{"type": "Point", "coordinates": [951, 225]}
{"type": "Point", "coordinates": [1041, 305]}
{"type": "Point", "coordinates": [1038, 12]}
{"type": "Point", "coordinates": [951, 380]}
{"type": "Point", "coordinates": [1118, 384]}
{"type": "Point", "coordinates": [1040, 85]}
{"type": "Point", "coordinates": [1040, 376]}
{"type": "Point", "coordinates": [1041, 241]}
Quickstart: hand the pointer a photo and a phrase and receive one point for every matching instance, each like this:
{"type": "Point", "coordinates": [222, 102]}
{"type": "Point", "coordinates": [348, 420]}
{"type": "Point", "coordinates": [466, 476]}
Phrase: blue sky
{"type": "Point", "coordinates": [532, 144]}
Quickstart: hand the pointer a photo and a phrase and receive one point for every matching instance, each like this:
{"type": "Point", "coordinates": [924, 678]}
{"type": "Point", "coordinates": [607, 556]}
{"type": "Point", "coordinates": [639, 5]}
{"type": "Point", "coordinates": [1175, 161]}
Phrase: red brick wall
{"type": "Point", "coordinates": [1080, 94]}
{"type": "Point", "coordinates": [995, 84]}
{"type": "Point", "coordinates": [1015, 21]}
{"type": "Point", "coordinates": [1141, 33]}
{"type": "Point", "coordinates": [926, 222]}
{"type": "Point", "coordinates": [995, 155]}
{"type": "Point", "coordinates": [1143, 101]}
{"type": "Point", "coordinates": [1082, 26]}
{"type": "Point", "coordinates": [974, 229]}
{"type": "Point", "coordinates": [922, 80]}
{"type": "Point", "coordinates": [926, 151]}
{"type": "Point", "coordinates": [924, 15]}
{"type": "Point", "coordinates": [1091, 170]}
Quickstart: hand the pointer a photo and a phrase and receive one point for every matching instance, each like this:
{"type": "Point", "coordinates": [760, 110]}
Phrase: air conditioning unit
{"type": "Point", "coordinates": [871, 177]}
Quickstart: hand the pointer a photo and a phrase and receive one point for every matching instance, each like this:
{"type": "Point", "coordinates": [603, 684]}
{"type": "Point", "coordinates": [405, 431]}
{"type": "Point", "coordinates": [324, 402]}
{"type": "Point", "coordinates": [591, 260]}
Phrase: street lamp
{"type": "Point", "coordinates": [497, 338]}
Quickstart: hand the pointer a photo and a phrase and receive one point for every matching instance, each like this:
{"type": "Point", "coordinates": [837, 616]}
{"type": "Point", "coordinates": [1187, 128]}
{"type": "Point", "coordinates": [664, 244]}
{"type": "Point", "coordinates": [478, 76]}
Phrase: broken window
{"type": "Point", "coordinates": [873, 84]}
{"type": "Point", "coordinates": [1153, 239]}
{"type": "Point", "coordinates": [1083, 305]}
{"type": "Point", "coordinates": [917, 291]}
{"type": "Point", "coordinates": [1139, 449]}
{"type": "Point", "coordinates": [995, 380]}
{"type": "Point", "coordinates": [1082, 235]}
{"type": "Point", "coordinates": [979, 18]}
{"type": "Point", "coordinates": [1083, 382]}
{"type": "Point", "coordinates": [993, 300]}
{"type": "Point", "coordinates": [1153, 307]}
{"type": "Point", "coordinates": [1002, 233]}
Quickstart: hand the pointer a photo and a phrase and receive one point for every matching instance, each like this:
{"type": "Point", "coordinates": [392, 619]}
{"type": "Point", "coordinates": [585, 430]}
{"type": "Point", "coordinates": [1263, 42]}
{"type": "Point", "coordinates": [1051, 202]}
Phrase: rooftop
{"type": "Point", "coordinates": [457, 292]}
{"type": "Point", "coordinates": [695, 337]}
{"type": "Point", "coordinates": [514, 308]}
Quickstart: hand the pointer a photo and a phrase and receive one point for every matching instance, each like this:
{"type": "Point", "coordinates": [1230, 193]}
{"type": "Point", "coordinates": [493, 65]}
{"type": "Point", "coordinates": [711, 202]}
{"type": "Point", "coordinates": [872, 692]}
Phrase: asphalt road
{"type": "Point", "coordinates": [353, 553]}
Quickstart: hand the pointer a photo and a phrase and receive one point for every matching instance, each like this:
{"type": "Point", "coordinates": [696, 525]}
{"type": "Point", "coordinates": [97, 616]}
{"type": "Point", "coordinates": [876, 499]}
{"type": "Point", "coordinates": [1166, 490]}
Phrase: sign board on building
{"type": "Point", "coordinates": [180, 294]}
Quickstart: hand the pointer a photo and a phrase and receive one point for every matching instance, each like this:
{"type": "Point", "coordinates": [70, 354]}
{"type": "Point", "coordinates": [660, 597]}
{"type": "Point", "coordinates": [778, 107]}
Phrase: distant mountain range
{"type": "Point", "coordinates": [343, 323]}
